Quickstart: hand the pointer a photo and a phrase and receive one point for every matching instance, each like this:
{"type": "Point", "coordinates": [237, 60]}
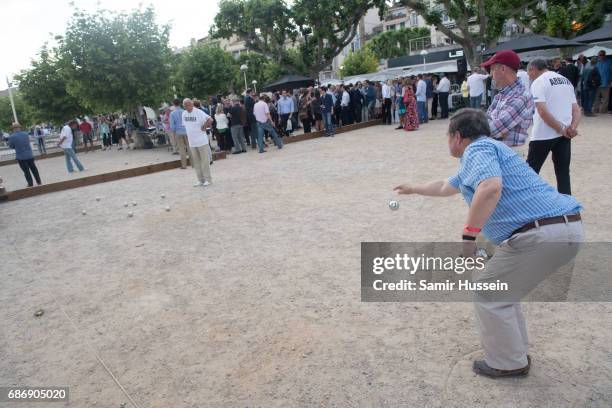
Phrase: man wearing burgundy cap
{"type": "Point", "coordinates": [511, 112]}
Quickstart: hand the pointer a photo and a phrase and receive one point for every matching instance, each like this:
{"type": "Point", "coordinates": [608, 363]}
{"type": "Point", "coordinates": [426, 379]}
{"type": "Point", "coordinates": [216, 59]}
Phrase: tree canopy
{"type": "Point", "coordinates": [115, 61]}
{"type": "Point", "coordinates": [395, 43]}
{"type": "Point", "coordinates": [6, 112]}
{"type": "Point", "coordinates": [205, 70]}
{"type": "Point", "coordinates": [43, 88]}
{"type": "Point", "coordinates": [317, 29]}
{"type": "Point", "coordinates": [362, 61]}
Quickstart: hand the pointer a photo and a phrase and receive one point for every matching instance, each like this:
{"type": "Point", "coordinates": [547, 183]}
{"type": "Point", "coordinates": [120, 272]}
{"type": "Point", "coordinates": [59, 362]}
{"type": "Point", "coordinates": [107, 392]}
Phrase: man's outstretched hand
{"type": "Point", "coordinates": [404, 189]}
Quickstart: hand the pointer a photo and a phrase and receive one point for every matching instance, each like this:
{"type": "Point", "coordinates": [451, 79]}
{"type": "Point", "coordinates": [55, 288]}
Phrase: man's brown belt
{"type": "Point", "coordinates": [547, 221]}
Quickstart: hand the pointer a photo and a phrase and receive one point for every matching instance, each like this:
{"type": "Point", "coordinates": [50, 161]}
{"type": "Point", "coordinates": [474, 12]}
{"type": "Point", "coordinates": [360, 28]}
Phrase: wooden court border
{"type": "Point", "coordinates": [148, 169]}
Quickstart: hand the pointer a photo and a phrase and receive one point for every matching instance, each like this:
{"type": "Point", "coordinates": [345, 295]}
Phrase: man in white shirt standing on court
{"type": "Point", "coordinates": [555, 121]}
{"type": "Point", "coordinates": [443, 91]}
{"type": "Point", "coordinates": [65, 143]}
{"type": "Point", "coordinates": [196, 121]}
{"type": "Point", "coordinates": [386, 103]}
{"type": "Point", "coordinates": [421, 99]}
{"type": "Point", "coordinates": [476, 88]}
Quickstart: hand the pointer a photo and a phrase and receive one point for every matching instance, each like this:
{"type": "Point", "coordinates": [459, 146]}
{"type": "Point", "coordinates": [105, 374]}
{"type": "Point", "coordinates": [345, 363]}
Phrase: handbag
{"type": "Point", "coordinates": [289, 125]}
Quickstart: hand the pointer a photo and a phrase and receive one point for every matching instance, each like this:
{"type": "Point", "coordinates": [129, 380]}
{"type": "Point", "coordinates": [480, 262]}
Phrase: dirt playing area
{"type": "Point", "coordinates": [247, 293]}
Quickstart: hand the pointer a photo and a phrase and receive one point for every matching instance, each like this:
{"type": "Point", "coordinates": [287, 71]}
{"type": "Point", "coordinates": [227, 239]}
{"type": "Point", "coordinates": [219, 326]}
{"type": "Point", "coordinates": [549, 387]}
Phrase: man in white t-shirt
{"type": "Point", "coordinates": [65, 143]}
{"type": "Point", "coordinates": [476, 87]}
{"type": "Point", "coordinates": [555, 121]}
{"type": "Point", "coordinates": [195, 122]}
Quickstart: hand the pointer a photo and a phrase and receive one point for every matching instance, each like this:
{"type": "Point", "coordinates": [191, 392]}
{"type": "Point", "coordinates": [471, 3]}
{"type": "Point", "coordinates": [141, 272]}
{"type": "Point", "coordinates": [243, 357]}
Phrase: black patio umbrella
{"type": "Point", "coordinates": [289, 82]}
{"type": "Point", "coordinates": [531, 42]}
{"type": "Point", "coordinates": [601, 34]}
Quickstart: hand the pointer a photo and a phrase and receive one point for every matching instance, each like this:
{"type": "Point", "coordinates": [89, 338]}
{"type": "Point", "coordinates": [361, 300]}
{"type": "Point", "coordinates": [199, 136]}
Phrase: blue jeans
{"type": "Point", "coordinates": [267, 126]}
{"type": "Point", "coordinates": [475, 101]}
{"type": "Point", "coordinates": [588, 94]}
{"type": "Point", "coordinates": [70, 154]}
{"type": "Point", "coordinates": [329, 125]}
{"type": "Point", "coordinates": [41, 145]}
{"type": "Point", "coordinates": [422, 111]}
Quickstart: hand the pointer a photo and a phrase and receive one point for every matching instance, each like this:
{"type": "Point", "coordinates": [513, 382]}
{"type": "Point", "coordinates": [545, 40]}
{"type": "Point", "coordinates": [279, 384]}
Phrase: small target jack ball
{"type": "Point", "coordinates": [167, 208]}
{"type": "Point", "coordinates": [98, 198]}
{"type": "Point", "coordinates": [130, 214]}
{"type": "Point", "coordinates": [125, 204]}
{"type": "Point", "coordinates": [133, 203]}
{"type": "Point", "coordinates": [84, 212]}
{"type": "Point", "coordinates": [394, 205]}
{"type": "Point", "coordinates": [163, 196]}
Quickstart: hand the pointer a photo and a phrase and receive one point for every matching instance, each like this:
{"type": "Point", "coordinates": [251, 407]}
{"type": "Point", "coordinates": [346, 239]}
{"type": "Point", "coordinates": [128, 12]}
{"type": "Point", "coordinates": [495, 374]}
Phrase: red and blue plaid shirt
{"type": "Point", "coordinates": [511, 114]}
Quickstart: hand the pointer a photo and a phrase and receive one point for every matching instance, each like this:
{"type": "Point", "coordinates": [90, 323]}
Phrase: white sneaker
{"type": "Point", "coordinates": [197, 184]}
{"type": "Point", "coordinates": [206, 183]}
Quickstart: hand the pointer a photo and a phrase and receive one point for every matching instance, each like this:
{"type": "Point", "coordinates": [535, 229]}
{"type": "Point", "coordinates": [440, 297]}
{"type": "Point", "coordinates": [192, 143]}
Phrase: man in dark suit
{"type": "Point", "coordinates": [249, 103]}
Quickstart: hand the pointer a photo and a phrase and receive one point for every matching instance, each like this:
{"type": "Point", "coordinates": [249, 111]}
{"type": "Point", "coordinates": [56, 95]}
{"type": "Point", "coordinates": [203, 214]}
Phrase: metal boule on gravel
{"type": "Point", "coordinates": [394, 205]}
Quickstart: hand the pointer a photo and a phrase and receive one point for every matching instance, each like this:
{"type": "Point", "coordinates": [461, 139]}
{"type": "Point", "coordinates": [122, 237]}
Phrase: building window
{"type": "Point", "coordinates": [391, 27]}
{"type": "Point", "coordinates": [402, 25]}
{"type": "Point", "coordinates": [414, 19]}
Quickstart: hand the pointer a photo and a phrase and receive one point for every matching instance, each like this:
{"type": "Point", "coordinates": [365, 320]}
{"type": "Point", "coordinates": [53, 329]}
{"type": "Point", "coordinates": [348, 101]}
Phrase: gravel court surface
{"type": "Point", "coordinates": [247, 292]}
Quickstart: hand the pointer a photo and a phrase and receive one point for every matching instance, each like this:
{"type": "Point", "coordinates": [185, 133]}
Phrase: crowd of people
{"type": "Point", "coordinates": [259, 120]}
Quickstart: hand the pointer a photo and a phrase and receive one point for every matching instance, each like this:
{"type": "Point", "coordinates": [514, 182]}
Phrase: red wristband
{"type": "Point", "coordinates": [467, 228]}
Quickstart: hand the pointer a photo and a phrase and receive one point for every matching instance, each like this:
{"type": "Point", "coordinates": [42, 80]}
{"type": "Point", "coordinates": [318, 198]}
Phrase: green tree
{"type": "Point", "coordinates": [6, 112]}
{"type": "Point", "coordinates": [260, 68]}
{"type": "Point", "coordinates": [567, 18]}
{"type": "Point", "coordinates": [361, 62]}
{"type": "Point", "coordinates": [116, 61]}
{"type": "Point", "coordinates": [317, 29]}
{"type": "Point", "coordinates": [473, 22]}
{"type": "Point", "coordinates": [43, 87]}
{"type": "Point", "coordinates": [396, 43]}
{"type": "Point", "coordinates": [205, 70]}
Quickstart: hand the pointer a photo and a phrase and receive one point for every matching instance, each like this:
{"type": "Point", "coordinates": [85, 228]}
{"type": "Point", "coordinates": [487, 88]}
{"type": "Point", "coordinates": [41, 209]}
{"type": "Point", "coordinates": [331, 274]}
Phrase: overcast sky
{"type": "Point", "coordinates": [26, 24]}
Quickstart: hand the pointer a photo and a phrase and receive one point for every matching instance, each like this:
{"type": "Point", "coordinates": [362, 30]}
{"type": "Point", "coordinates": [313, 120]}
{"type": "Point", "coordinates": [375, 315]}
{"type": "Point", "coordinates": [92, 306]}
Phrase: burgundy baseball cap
{"type": "Point", "coordinates": [506, 57]}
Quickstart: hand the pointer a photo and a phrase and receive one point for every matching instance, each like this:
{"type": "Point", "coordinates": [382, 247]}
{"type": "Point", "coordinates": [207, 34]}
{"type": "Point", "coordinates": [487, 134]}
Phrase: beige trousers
{"type": "Point", "coordinates": [503, 333]}
{"type": "Point", "coordinates": [182, 145]}
{"type": "Point", "coordinates": [200, 161]}
{"type": "Point", "coordinates": [602, 93]}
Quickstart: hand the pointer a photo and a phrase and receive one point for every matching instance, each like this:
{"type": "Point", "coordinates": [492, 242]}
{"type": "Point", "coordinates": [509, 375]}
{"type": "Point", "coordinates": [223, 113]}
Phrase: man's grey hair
{"type": "Point", "coordinates": [187, 100]}
{"type": "Point", "coordinates": [538, 63]}
{"type": "Point", "coordinates": [470, 123]}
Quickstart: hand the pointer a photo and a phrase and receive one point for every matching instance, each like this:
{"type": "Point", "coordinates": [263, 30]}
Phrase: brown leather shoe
{"type": "Point", "coordinates": [480, 367]}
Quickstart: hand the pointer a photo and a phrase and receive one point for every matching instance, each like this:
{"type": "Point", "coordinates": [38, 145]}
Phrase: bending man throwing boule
{"type": "Point", "coordinates": [517, 211]}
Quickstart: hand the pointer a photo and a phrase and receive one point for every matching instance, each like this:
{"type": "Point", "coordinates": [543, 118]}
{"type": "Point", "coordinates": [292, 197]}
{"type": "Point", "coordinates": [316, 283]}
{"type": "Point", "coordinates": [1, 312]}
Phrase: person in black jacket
{"type": "Point", "coordinates": [249, 103]}
{"type": "Point", "coordinates": [357, 103]}
{"type": "Point", "coordinates": [570, 71]}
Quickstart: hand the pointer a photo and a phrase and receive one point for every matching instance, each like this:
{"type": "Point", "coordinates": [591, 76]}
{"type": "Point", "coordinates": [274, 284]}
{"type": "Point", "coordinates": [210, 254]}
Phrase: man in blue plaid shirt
{"type": "Point", "coordinates": [511, 112]}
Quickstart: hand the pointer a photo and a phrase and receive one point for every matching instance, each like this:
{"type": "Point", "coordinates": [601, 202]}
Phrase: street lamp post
{"type": "Point", "coordinates": [424, 55]}
{"type": "Point", "coordinates": [12, 101]}
{"type": "Point", "coordinates": [254, 85]}
{"type": "Point", "coordinates": [244, 69]}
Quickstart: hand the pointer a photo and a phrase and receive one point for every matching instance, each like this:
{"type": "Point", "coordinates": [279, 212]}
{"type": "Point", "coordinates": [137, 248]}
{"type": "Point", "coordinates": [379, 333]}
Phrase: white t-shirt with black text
{"type": "Point", "coordinates": [558, 93]}
{"type": "Point", "coordinates": [193, 122]}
